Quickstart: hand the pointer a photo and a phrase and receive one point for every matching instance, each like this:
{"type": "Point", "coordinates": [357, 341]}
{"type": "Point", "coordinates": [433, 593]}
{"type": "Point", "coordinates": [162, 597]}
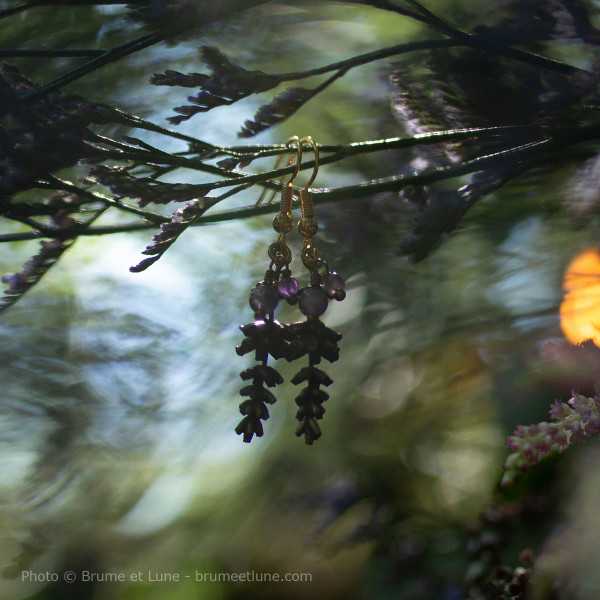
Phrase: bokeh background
{"type": "Point", "coordinates": [119, 391]}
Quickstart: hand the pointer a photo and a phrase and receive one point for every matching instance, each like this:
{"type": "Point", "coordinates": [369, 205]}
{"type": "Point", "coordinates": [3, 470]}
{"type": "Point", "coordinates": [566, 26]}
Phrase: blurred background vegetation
{"type": "Point", "coordinates": [120, 390]}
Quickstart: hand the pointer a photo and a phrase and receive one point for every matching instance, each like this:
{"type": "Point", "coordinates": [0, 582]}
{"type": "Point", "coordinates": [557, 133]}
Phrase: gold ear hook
{"type": "Point", "coordinates": [306, 199]}
{"type": "Point", "coordinates": [316, 167]}
{"type": "Point", "coordinates": [297, 152]}
{"type": "Point", "coordinates": [295, 140]}
{"type": "Point", "coordinates": [279, 252]}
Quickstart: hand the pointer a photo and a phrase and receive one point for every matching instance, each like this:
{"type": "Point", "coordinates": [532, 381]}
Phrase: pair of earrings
{"type": "Point", "coordinates": [267, 337]}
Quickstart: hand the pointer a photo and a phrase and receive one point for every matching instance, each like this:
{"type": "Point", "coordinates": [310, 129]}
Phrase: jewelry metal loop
{"type": "Point", "coordinates": [295, 140]}
{"type": "Point", "coordinates": [316, 167]}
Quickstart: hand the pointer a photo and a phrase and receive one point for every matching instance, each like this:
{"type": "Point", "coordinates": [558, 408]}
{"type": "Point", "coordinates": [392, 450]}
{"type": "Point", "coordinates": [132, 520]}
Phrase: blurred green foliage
{"type": "Point", "coordinates": [119, 392]}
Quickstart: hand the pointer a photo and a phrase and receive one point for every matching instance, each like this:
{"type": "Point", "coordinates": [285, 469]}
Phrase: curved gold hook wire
{"type": "Point", "coordinates": [316, 167]}
{"type": "Point", "coordinates": [296, 140]}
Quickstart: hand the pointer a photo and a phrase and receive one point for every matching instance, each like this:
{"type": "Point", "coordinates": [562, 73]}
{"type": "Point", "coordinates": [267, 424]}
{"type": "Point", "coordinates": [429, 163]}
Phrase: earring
{"type": "Point", "coordinates": [266, 336]}
{"type": "Point", "coordinates": [312, 336]}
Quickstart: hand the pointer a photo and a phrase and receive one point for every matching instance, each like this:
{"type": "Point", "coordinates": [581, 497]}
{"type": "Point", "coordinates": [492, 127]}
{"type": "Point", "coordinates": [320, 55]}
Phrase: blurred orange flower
{"type": "Point", "coordinates": [580, 308]}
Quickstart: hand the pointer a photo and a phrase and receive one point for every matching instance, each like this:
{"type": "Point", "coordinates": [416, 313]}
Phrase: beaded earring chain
{"type": "Point", "coordinates": [266, 336]}
{"type": "Point", "coordinates": [312, 336]}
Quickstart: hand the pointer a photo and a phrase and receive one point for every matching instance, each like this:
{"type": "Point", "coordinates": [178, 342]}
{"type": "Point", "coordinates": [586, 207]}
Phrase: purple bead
{"type": "Point", "coordinates": [313, 301]}
{"type": "Point", "coordinates": [333, 282]}
{"type": "Point", "coordinates": [264, 299]}
{"type": "Point", "coordinates": [288, 287]}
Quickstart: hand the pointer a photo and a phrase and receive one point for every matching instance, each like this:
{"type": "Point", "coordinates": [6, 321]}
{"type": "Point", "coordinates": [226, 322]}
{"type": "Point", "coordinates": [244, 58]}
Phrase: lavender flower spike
{"type": "Point", "coordinates": [573, 423]}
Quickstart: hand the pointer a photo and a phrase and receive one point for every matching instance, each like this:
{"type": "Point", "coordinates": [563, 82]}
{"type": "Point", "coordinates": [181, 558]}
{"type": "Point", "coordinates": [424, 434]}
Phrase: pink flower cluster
{"type": "Point", "coordinates": [573, 423]}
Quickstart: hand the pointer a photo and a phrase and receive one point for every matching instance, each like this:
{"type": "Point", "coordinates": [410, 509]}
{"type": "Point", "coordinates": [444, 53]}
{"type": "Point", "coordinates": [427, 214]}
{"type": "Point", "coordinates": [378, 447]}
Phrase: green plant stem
{"type": "Point", "coordinates": [457, 38]}
{"type": "Point", "coordinates": [8, 12]}
{"type": "Point", "coordinates": [4, 53]}
{"type": "Point", "coordinates": [525, 152]}
{"type": "Point", "coordinates": [333, 195]}
{"type": "Point", "coordinates": [465, 40]}
{"type": "Point", "coordinates": [139, 123]}
{"type": "Point", "coordinates": [395, 143]}
{"type": "Point", "coordinates": [152, 155]}
{"type": "Point", "coordinates": [105, 58]}
{"type": "Point", "coordinates": [66, 186]}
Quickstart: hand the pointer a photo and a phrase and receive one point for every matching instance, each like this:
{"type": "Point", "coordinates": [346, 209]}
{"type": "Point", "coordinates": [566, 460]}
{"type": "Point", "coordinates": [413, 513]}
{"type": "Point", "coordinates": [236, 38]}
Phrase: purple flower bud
{"type": "Point", "coordinates": [577, 432]}
{"type": "Point", "coordinates": [513, 442]}
{"type": "Point", "coordinates": [542, 444]}
{"type": "Point", "coordinates": [559, 438]}
{"type": "Point", "coordinates": [560, 410]}
{"type": "Point", "coordinates": [593, 424]}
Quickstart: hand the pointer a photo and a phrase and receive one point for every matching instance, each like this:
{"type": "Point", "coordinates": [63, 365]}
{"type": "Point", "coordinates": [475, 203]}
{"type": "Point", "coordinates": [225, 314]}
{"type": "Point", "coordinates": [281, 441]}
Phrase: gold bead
{"type": "Point", "coordinates": [308, 227]}
{"type": "Point", "coordinates": [283, 223]}
{"type": "Point", "coordinates": [280, 254]}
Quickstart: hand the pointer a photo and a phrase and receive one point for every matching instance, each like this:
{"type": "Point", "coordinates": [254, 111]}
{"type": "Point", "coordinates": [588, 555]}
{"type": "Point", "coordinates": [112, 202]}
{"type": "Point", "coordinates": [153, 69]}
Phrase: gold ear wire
{"type": "Point", "coordinates": [307, 225]}
{"type": "Point", "coordinates": [306, 199]}
{"type": "Point", "coordinates": [282, 222]}
{"type": "Point", "coordinates": [316, 167]}
{"type": "Point", "coordinates": [295, 140]}
{"type": "Point", "coordinates": [298, 154]}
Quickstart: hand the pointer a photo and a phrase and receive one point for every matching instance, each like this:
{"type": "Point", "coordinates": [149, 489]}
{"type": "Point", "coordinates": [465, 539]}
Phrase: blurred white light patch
{"type": "Point", "coordinates": [339, 313]}
{"type": "Point", "coordinates": [160, 505]}
{"type": "Point", "coordinates": [524, 277]}
{"type": "Point", "coordinates": [15, 468]}
{"type": "Point", "coordinates": [387, 391]}
{"type": "Point", "coordinates": [463, 465]}
{"type": "Point", "coordinates": [173, 494]}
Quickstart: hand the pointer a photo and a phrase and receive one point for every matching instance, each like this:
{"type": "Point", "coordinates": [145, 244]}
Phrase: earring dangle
{"type": "Point", "coordinates": [266, 336]}
{"type": "Point", "coordinates": [312, 336]}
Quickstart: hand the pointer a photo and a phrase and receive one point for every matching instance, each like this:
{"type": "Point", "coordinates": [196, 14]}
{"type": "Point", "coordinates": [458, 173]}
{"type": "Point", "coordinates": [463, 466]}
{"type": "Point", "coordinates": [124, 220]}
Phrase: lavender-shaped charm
{"type": "Point", "coordinates": [266, 337]}
{"type": "Point", "coordinates": [312, 337]}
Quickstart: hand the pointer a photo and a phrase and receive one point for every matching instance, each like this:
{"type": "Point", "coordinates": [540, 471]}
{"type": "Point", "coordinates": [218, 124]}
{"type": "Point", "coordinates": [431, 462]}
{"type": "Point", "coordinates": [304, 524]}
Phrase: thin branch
{"type": "Point", "coordinates": [271, 114]}
{"type": "Point", "coordinates": [435, 137]}
{"type": "Point", "coordinates": [4, 53]}
{"type": "Point", "coordinates": [275, 174]}
{"type": "Point", "coordinates": [397, 182]}
{"type": "Point", "coordinates": [105, 58]}
{"type": "Point", "coordinates": [458, 39]}
{"type": "Point", "coordinates": [563, 138]}
{"type": "Point", "coordinates": [523, 153]}
{"type": "Point", "coordinates": [436, 21]}
{"type": "Point", "coordinates": [150, 155]}
{"type": "Point", "coordinates": [368, 57]}
{"type": "Point", "coordinates": [254, 152]}
{"type": "Point", "coordinates": [479, 43]}
{"type": "Point", "coordinates": [8, 12]}
{"type": "Point", "coordinates": [464, 40]}
{"type": "Point", "coordinates": [139, 123]}
{"type": "Point", "coordinates": [368, 188]}
{"type": "Point", "coordinates": [339, 153]}
{"type": "Point", "coordinates": [393, 7]}
{"type": "Point", "coordinates": [60, 184]}
{"type": "Point", "coordinates": [20, 237]}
